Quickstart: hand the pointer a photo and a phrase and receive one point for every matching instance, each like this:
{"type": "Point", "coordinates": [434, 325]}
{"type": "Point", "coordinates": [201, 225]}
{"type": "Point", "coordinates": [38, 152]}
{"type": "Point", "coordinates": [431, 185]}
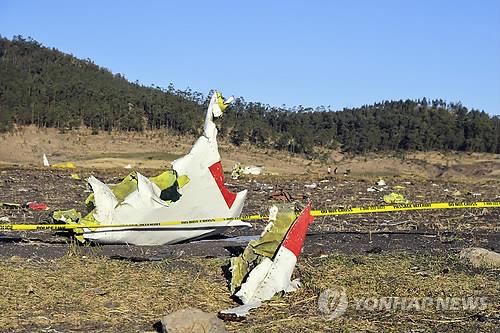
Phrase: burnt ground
{"type": "Point", "coordinates": [449, 230]}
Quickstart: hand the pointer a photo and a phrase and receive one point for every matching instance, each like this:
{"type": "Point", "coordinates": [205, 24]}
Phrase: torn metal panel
{"type": "Point", "coordinates": [266, 266]}
{"type": "Point", "coordinates": [265, 246]}
{"type": "Point", "coordinates": [193, 189]}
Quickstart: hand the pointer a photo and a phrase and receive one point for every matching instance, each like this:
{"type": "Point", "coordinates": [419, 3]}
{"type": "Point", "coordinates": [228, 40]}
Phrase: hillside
{"type": "Point", "coordinates": [48, 88]}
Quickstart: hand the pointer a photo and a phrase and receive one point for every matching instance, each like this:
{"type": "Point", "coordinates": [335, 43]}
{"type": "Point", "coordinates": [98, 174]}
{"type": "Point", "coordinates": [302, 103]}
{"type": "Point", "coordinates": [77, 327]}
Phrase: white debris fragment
{"type": "Point", "coordinates": [239, 170]}
{"type": "Point", "coordinates": [273, 212]}
{"type": "Point", "coordinates": [311, 186]}
{"type": "Point", "coordinates": [381, 182]}
{"type": "Point", "coordinates": [273, 276]}
{"type": "Point", "coordinates": [252, 170]}
{"type": "Point", "coordinates": [45, 161]}
{"type": "Point", "coordinates": [105, 201]}
{"type": "Point", "coordinates": [243, 310]}
{"type": "Point", "coordinates": [203, 197]}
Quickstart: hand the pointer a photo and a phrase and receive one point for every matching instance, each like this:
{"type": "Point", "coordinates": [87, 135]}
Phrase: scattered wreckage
{"type": "Point", "coordinates": [239, 170]}
{"type": "Point", "coordinates": [193, 189]}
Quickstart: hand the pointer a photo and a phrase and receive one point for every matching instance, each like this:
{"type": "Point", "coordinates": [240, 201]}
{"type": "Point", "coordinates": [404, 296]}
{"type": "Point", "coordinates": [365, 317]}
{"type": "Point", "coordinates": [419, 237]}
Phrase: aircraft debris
{"type": "Point", "coordinates": [265, 267]}
{"type": "Point", "coordinates": [45, 161]}
{"type": "Point", "coordinates": [194, 189]}
{"type": "Point", "coordinates": [240, 312]}
{"type": "Point", "coordinates": [75, 176]}
{"type": "Point", "coordinates": [239, 170]}
{"type": "Point", "coordinates": [395, 198]}
{"type": "Point", "coordinates": [65, 165]}
{"type": "Point", "coordinates": [285, 196]}
{"type": "Point", "coordinates": [33, 205]}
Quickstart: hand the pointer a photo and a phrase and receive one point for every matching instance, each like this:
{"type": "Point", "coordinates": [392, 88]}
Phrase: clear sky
{"type": "Point", "coordinates": [311, 53]}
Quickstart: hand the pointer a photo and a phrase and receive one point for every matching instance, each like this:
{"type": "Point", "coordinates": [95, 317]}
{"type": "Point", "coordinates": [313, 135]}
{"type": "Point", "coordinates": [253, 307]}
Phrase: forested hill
{"type": "Point", "coordinates": [46, 87]}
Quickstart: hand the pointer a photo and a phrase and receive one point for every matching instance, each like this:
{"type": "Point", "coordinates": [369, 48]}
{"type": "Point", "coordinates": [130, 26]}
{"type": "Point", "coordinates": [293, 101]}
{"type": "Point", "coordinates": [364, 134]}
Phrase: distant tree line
{"type": "Point", "coordinates": [48, 88]}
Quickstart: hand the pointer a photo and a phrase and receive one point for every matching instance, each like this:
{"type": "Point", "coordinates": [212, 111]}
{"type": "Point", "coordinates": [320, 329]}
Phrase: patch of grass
{"type": "Point", "coordinates": [100, 294]}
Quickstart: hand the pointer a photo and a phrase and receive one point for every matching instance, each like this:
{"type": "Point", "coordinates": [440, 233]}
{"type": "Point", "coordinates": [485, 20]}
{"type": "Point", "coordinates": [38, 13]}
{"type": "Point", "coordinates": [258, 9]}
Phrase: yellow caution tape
{"type": "Point", "coordinates": [329, 212]}
{"type": "Point", "coordinates": [406, 207]}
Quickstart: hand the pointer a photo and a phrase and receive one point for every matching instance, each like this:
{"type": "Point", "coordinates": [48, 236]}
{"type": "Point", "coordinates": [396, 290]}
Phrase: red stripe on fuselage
{"type": "Point", "coordinates": [218, 174]}
{"type": "Point", "coordinates": [296, 235]}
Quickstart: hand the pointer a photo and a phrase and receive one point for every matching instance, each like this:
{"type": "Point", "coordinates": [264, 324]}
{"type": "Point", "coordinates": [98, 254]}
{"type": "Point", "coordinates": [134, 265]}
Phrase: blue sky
{"type": "Point", "coordinates": [311, 53]}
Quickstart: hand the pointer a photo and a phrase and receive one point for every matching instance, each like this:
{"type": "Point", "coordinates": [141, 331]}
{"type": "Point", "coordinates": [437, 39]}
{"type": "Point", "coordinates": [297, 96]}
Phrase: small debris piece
{"type": "Point", "coordinates": [192, 320]}
{"type": "Point", "coordinates": [45, 161]}
{"type": "Point", "coordinates": [311, 186]}
{"type": "Point", "coordinates": [33, 205]}
{"type": "Point", "coordinates": [480, 258]}
{"type": "Point", "coordinates": [239, 170]}
{"type": "Point", "coordinates": [381, 182]}
{"type": "Point", "coordinates": [281, 196]}
{"type": "Point", "coordinates": [239, 313]}
{"type": "Point", "coordinates": [4, 219]}
{"type": "Point", "coordinates": [395, 198]}
{"type": "Point", "coordinates": [66, 165]}
{"type": "Point", "coordinates": [75, 176]}
{"type": "Point", "coordinates": [285, 196]}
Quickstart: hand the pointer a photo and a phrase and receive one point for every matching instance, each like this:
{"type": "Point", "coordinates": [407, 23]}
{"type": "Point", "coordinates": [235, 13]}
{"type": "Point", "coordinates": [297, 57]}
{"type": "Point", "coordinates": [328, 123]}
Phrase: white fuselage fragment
{"type": "Point", "coordinates": [203, 197]}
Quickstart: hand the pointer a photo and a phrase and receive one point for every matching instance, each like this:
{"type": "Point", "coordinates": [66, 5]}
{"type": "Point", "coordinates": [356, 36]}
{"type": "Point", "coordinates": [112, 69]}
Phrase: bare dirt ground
{"type": "Point", "coordinates": [156, 149]}
{"type": "Point", "coordinates": [49, 283]}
